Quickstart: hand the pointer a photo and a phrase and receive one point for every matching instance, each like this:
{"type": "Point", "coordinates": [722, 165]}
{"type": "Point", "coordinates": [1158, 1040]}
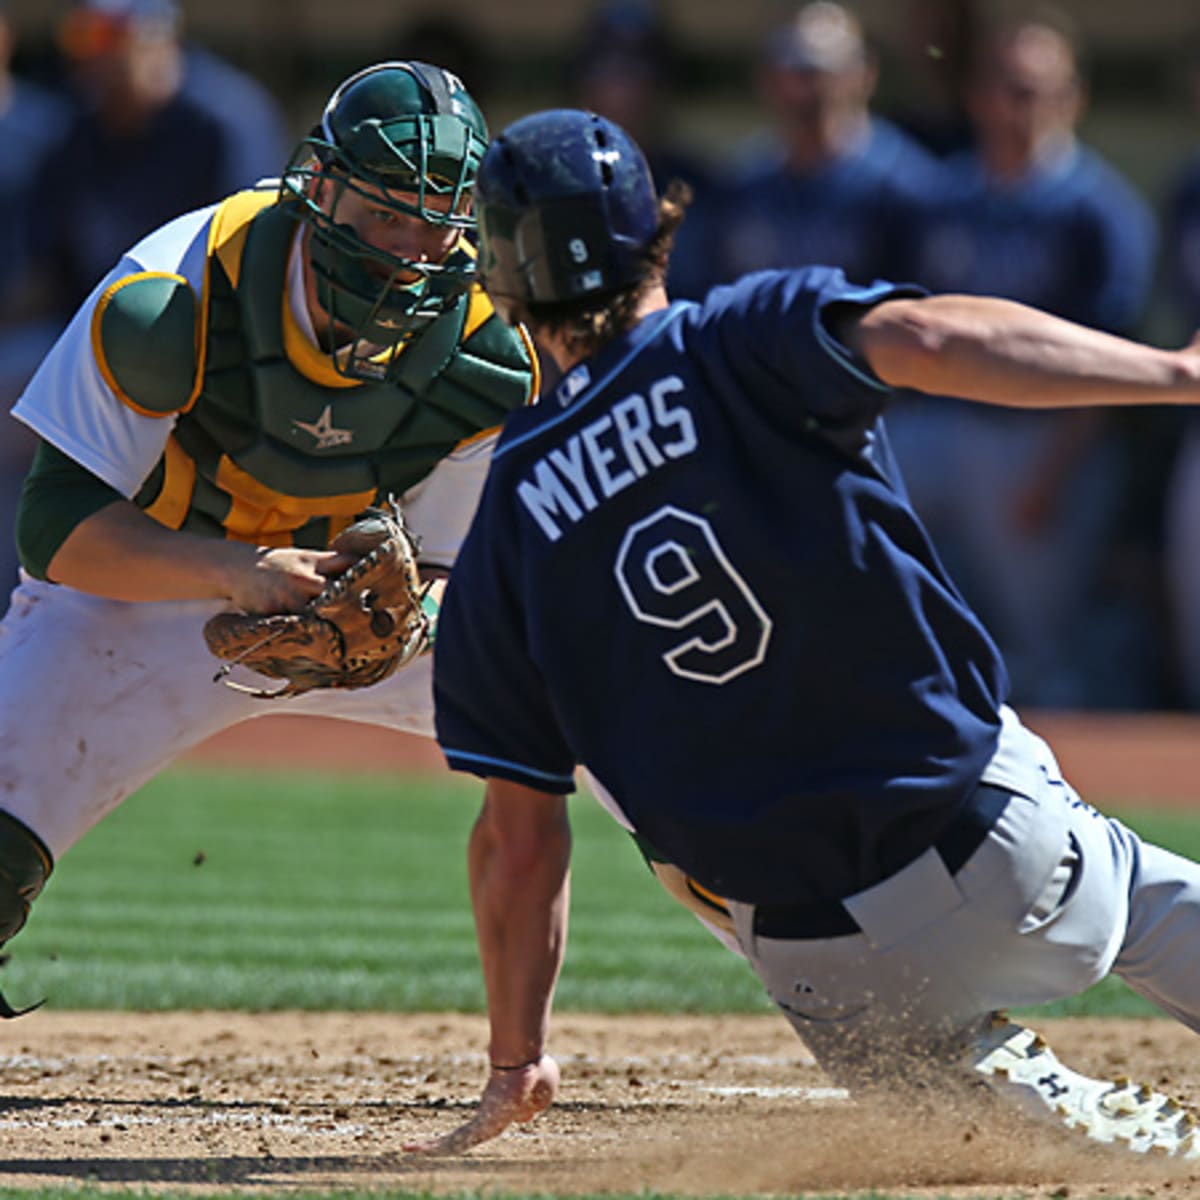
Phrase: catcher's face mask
{"type": "Point", "coordinates": [397, 148]}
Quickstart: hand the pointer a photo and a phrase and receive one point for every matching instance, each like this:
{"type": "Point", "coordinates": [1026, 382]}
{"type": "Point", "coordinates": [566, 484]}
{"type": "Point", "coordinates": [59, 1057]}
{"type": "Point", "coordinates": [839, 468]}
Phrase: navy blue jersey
{"type": "Point", "coordinates": [695, 571]}
{"type": "Point", "coordinates": [1182, 258]}
{"type": "Point", "coordinates": [1071, 237]}
{"type": "Point", "coordinates": [855, 212]}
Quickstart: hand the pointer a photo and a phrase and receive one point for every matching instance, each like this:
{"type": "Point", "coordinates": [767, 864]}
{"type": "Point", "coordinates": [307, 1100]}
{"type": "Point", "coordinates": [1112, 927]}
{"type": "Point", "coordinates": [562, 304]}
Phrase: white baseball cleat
{"type": "Point", "coordinates": [1018, 1065]}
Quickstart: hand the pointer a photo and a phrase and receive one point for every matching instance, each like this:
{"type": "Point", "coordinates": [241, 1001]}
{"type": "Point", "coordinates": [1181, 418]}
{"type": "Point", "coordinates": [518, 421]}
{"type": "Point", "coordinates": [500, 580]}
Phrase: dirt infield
{"type": "Point", "coordinates": [695, 1106]}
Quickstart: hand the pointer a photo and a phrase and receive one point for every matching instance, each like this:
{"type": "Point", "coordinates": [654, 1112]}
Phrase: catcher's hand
{"type": "Point", "coordinates": [367, 622]}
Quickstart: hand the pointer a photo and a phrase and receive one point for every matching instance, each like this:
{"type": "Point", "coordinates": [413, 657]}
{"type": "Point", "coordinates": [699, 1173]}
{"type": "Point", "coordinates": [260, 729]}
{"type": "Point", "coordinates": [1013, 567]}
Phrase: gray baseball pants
{"type": "Point", "coordinates": [1055, 897]}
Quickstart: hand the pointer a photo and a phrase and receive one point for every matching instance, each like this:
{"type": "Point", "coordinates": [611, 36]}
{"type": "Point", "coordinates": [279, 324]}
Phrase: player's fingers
{"type": "Point", "coordinates": [478, 1129]}
{"type": "Point", "coordinates": [492, 1118]}
{"type": "Point", "coordinates": [509, 1097]}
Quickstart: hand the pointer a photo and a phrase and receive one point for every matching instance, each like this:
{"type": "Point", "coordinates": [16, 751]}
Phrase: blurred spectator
{"type": "Point", "coordinates": [831, 183]}
{"type": "Point", "coordinates": [937, 44]}
{"type": "Point", "coordinates": [153, 135]}
{"type": "Point", "coordinates": [257, 136]}
{"type": "Point", "coordinates": [1181, 259]}
{"type": "Point", "coordinates": [1024, 502]}
{"type": "Point", "coordinates": [625, 67]}
{"type": "Point", "coordinates": [33, 123]}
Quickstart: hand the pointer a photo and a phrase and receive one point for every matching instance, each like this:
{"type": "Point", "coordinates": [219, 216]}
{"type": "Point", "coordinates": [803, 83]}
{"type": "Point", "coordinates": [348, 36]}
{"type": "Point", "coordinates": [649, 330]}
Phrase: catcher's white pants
{"type": "Point", "coordinates": [1055, 898]}
{"type": "Point", "coordinates": [97, 696]}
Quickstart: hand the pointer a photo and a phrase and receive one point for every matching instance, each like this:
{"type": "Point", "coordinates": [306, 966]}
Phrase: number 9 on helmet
{"type": "Point", "coordinates": [567, 208]}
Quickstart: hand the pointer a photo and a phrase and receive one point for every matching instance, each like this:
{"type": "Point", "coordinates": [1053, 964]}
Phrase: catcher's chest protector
{"type": "Point", "coordinates": [272, 432]}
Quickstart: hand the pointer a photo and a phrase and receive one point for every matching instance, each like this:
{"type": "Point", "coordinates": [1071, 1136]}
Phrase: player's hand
{"type": "Point", "coordinates": [285, 579]}
{"type": "Point", "coordinates": [509, 1096]}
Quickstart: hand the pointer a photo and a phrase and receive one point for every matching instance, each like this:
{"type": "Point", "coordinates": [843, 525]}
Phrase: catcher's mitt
{"type": "Point", "coordinates": [365, 624]}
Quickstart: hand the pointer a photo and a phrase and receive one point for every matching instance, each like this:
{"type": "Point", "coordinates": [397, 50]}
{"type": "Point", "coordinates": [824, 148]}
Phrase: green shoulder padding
{"type": "Point", "coordinates": [500, 344]}
{"type": "Point", "coordinates": [145, 337]}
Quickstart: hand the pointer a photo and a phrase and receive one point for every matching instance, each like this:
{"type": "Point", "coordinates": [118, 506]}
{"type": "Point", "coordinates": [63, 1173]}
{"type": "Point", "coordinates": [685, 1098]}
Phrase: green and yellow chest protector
{"type": "Point", "coordinates": [271, 444]}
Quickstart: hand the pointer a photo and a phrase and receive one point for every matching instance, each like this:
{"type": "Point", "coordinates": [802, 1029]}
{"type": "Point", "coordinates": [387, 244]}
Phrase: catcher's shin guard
{"type": "Point", "coordinates": [25, 865]}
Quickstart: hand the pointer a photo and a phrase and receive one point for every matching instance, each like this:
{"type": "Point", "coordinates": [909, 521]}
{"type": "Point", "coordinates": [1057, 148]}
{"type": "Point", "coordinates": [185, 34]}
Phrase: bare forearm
{"type": "Point", "coordinates": [122, 554]}
{"type": "Point", "coordinates": [520, 893]}
{"type": "Point", "coordinates": [1000, 352]}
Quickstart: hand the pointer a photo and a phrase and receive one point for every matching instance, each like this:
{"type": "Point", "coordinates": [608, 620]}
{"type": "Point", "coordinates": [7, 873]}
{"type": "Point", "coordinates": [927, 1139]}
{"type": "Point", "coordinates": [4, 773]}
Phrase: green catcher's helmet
{"type": "Point", "coordinates": [396, 127]}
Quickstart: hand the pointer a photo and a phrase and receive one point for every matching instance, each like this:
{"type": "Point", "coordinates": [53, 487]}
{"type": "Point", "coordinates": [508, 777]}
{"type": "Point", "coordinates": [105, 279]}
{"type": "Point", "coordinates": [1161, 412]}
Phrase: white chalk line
{"type": "Point", "coordinates": [413, 1062]}
{"type": "Point", "coordinates": [317, 1126]}
{"type": "Point", "coordinates": [409, 1072]}
{"type": "Point", "coordinates": [817, 1095]}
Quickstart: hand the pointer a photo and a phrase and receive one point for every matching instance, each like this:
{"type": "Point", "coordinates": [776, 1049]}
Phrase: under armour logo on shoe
{"type": "Point", "coordinates": [1051, 1085]}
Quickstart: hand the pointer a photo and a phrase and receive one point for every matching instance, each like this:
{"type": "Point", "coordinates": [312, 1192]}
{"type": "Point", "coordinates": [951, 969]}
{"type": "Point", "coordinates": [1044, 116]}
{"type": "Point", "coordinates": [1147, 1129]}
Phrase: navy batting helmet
{"type": "Point", "coordinates": [566, 209]}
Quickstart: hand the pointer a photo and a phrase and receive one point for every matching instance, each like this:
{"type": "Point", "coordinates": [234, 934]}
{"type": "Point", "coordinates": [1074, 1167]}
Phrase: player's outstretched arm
{"type": "Point", "coordinates": [1001, 352]}
{"type": "Point", "coordinates": [518, 861]}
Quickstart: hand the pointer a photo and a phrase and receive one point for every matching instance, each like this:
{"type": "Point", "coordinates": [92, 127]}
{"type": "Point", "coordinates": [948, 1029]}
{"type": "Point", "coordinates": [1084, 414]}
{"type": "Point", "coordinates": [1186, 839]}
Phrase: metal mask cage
{"type": "Point", "coordinates": [379, 297]}
{"type": "Point", "coordinates": [373, 158]}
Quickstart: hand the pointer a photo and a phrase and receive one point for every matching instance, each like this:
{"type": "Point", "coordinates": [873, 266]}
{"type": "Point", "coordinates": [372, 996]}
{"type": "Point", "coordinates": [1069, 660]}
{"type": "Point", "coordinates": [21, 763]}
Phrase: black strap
{"type": "Point", "coordinates": [433, 79]}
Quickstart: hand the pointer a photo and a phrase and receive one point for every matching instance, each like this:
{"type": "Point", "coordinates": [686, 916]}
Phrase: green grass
{"type": "Point", "coordinates": [257, 890]}
{"type": "Point", "coordinates": [316, 893]}
{"type": "Point", "coordinates": [219, 889]}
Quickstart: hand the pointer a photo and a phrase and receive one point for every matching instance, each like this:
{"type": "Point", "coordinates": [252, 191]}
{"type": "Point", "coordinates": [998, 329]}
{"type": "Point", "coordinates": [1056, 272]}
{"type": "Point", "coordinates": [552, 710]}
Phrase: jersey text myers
{"type": "Point", "coordinates": [634, 437]}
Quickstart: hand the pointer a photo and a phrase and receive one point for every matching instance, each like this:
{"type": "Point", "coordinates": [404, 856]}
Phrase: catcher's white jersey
{"type": "Point", "coordinates": [68, 401]}
{"type": "Point", "coordinates": [69, 404]}
{"type": "Point", "coordinates": [97, 695]}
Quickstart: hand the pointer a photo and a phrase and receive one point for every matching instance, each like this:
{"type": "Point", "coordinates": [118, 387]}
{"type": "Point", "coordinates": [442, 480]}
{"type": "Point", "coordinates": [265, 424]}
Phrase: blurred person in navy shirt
{"type": "Point", "coordinates": [1023, 504]}
{"type": "Point", "coordinates": [625, 65]}
{"type": "Point", "coordinates": [1181, 269]}
{"type": "Point", "coordinates": [156, 131]}
{"type": "Point", "coordinates": [33, 123]}
{"type": "Point", "coordinates": [830, 182]}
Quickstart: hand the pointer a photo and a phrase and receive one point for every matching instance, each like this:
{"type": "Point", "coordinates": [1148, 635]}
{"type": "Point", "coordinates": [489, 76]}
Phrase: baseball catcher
{"type": "Point", "coordinates": [241, 386]}
{"type": "Point", "coordinates": [372, 619]}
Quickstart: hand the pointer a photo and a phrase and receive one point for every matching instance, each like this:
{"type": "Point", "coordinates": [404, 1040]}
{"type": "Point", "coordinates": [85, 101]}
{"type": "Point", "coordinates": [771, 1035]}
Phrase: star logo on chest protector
{"type": "Point", "coordinates": [324, 431]}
